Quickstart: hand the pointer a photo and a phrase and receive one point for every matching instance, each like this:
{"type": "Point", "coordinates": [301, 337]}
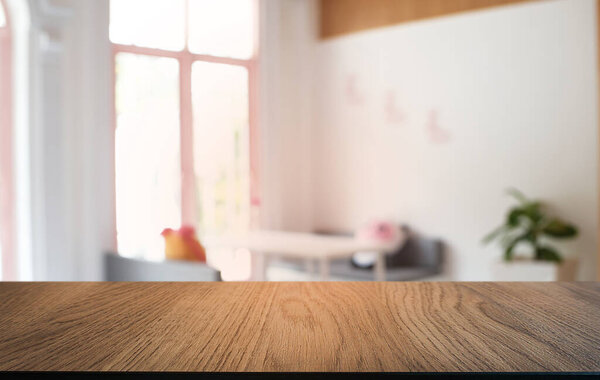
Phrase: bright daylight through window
{"type": "Point", "coordinates": [2, 17]}
{"type": "Point", "coordinates": [184, 72]}
{"type": "Point", "coordinates": [7, 208]}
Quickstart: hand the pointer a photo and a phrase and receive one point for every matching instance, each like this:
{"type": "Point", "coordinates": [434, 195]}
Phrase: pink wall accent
{"type": "Point", "coordinates": [393, 113]}
{"type": "Point", "coordinates": [354, 96]}
{"type": "Point", "coordinates": [436, 133]}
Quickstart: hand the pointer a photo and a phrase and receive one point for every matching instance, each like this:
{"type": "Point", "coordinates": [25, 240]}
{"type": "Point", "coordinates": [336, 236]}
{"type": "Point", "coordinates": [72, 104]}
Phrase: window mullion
{"type": "Point", "coordinates": [188, 204]}
{"type": "Point", "coordinates": [255, 196]}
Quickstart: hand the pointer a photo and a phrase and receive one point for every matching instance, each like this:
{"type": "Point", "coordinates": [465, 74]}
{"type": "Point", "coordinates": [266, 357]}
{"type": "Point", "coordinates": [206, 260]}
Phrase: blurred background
{"type": "Point", "coordinates": [299, 140]}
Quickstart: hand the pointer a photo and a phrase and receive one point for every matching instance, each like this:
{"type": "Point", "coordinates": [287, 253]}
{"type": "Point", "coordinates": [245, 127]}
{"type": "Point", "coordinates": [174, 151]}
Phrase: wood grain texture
{"type": "Point", "coordinates": [338, 17]}
{"type": "Point", "coordinates": [317, 326]}
{"type": "Point", "coordinates": [598, 80]}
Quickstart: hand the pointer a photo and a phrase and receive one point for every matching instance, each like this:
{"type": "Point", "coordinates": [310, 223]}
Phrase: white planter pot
{"type": "Point", "coordinates": [530, 270]}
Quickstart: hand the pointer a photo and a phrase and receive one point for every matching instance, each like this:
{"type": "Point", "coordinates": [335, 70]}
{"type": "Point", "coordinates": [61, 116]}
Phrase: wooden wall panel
{"type": "Point", "coordinates": [340, 17]}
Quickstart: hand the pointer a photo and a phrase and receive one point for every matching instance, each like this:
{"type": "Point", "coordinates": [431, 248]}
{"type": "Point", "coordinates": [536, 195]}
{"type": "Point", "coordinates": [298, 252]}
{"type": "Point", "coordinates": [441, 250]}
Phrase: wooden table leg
{"type": "Point", "coordinates": [324, 269]}
{"type": "Point", "coordinates": [259, 266]}
{"type": "Point", "coordinates": [380, 267]}
{"type": "Point", "coordinates": [310, 268]}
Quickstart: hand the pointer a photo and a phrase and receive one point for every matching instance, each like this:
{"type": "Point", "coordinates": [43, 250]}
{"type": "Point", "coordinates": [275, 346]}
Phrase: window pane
{"type": "Point", "coordinates": [149, 23]}
{"type": "Point", "coordinates": [2, 16]}
{"type": "Point", "coordinates": [221, 155]}
{"type": "Point", "coordinates": [148, 167]}
{"type": "Point", "coordinates": [221, 28]}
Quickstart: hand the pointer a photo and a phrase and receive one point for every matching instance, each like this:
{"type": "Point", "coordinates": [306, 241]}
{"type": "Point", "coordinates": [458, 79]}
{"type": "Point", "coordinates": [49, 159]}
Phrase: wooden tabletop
{"type": "Point", "coordinates": [315, 326]}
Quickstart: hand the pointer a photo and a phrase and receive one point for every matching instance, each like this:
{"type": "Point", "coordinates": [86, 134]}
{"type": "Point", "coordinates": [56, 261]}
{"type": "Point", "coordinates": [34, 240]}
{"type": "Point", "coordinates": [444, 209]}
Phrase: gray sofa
{"type": "Point", "coordinates": [417, 259]}
{"type": "Point", "coordinates": [119, 268]}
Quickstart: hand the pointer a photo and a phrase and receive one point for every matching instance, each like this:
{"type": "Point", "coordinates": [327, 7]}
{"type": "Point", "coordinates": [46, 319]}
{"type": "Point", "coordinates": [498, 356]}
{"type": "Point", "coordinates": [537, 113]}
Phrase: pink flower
{"type": "Point", "coordinates": [380, 231]}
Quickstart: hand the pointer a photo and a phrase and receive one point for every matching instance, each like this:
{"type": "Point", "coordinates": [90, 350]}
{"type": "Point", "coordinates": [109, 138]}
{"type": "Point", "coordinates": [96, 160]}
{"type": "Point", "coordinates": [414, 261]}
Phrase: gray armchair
{"type": "Point", "coordinates": [418, 258]}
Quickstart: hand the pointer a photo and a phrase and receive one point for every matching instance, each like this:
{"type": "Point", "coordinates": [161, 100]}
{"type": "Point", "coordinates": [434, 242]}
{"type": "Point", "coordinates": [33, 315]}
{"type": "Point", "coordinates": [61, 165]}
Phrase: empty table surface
{"type": "Point", "coordinates": [329, 326]}
{"type": "Point", "coordinates": [301, 245]}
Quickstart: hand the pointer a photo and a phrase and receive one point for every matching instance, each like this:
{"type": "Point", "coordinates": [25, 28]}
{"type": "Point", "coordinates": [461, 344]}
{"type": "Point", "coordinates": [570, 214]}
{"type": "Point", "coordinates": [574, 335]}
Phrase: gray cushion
{"type": "Point", "coordinates": [118, 268]}
{"type": "Point", "coordinates": [417, 252]}
{"type": "Point", "coordinates": [289, 263]}
{"type": "Point", "coordinates": [343, 268]}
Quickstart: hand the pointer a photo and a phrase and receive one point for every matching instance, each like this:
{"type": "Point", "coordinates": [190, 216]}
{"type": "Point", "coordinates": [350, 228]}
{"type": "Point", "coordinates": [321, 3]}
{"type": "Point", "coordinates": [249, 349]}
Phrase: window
{"type": "Point", "coordinates": [7, 234]}
{"type": "Point", "coordinates": [2, 16]}
{"type": "Point", "coordinates": [184, 79]}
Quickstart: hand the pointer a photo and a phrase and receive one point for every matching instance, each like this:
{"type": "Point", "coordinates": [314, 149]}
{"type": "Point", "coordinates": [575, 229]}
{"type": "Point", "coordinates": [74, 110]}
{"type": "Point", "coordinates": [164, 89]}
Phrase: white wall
{"type": "Point", "coordinates": [288, 34]}
{"type": "Point", "coordinates": [515, 92]}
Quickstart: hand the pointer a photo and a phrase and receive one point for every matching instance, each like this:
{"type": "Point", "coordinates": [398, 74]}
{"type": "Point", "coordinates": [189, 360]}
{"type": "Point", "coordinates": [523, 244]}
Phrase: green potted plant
{"type": "Point", "coordinates": [528, 224]}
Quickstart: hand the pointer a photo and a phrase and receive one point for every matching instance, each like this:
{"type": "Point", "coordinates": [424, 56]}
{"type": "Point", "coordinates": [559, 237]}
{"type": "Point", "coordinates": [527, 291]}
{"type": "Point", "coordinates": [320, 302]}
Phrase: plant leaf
{"type": "Point", "coordinates": [534, 211]}
{"type": "Point", "coordinates": [512, 219]}
{"type": "Point", "coordinates": [494, 234]}
{"type": "Point", "coordinates": [530, 211]}
{"type": "Point", "coordinates": [548, 254]}
{"type": "Point", "coordinates": [560, 229]}
{"type": "Point", "coordinates": [508, 251]}
{"type": "Point", "coordinates": [518, 195]}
